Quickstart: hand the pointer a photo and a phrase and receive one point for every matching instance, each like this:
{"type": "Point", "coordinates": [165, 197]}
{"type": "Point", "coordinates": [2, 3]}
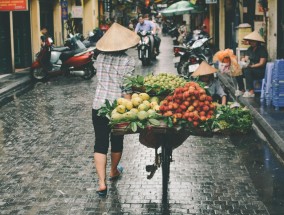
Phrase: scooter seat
{"type": "Point", "coordinates": [67, 54]}
{"type": "Point", "coordinates": [60, 49]}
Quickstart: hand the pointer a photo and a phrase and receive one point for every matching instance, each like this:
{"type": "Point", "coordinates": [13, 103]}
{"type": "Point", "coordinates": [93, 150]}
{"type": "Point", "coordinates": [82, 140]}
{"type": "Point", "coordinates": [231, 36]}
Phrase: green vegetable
{"type": "Point", "coordinates": [232, 120]}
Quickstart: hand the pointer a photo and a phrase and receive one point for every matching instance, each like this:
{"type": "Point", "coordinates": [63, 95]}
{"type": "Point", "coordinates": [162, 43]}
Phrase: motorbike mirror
{"type": "Point", "coordinates": [91, 34]}
{"type": "Point", "coordinates": [50, 40]}
{"type": "Point", "coordinates": [197, 44]}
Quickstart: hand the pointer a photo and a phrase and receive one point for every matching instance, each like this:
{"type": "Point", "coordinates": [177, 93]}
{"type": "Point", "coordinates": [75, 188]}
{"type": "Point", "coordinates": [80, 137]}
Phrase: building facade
{"type": "Point", "coordinates": [221, 17]}
{"type": "Point", "coordinates": [271, 25]}
{"type": "Point", "coordinates": [26, 28]}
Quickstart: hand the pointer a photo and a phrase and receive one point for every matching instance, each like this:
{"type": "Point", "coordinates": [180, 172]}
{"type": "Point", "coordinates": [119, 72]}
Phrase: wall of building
{"type": "Point", "coordinates": [35, 27]}
{"type": "Point", "coordinates": [222, 24]}
{"type": "Point", "coordinates": [57, 28]}
{"type": "Point", "coordinates": [272, 30]}
{"type": "Point", "coordinates": [90, 20]}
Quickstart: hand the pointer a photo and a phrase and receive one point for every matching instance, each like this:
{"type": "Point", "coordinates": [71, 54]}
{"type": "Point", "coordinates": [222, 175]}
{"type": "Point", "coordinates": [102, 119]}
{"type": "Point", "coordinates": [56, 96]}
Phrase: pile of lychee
{"type": "Point", "coordinates": [190, 103]}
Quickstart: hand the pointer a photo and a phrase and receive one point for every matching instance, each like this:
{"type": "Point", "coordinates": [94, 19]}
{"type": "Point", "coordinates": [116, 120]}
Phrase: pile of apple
{"type": "Point", "coordinates": [190, 103]}
{"type": "Point", "coordinates": [140, 107]}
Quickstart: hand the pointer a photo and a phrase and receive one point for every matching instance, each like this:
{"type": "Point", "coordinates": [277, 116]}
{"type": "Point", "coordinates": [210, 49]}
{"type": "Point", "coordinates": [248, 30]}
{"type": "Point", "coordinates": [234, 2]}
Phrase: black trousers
{"type": "Point", "coordinates": [157, 41]}
{"type": "Point", "coordinates": [252, 74]}
{"type": "Point", "coordinates": [240, 81]}
{"type": "Point", "coordinates": [102, 135]}
{"type": "Point", "coordinates": [45, 58]}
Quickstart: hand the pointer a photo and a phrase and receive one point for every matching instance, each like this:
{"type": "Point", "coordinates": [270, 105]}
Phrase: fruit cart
{"type": "Point", "coordinates": [165, 138]}
{"type": "Point", "coordinates": [168, 115]}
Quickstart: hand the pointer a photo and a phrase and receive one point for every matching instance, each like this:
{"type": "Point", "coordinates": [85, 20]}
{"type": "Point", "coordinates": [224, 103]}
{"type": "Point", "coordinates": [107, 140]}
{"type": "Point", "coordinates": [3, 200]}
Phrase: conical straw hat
{"type": "Point", "coordinates": [204, 69]}
{"type": "Point", "coordinates": [254, 36]}
{"type": "Point", "coordinates": [117, 38]}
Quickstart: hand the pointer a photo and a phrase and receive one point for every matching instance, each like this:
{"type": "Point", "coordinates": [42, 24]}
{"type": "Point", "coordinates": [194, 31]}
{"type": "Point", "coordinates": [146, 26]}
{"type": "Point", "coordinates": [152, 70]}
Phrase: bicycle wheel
{"type": "Point", "coordinates": [166, 158]}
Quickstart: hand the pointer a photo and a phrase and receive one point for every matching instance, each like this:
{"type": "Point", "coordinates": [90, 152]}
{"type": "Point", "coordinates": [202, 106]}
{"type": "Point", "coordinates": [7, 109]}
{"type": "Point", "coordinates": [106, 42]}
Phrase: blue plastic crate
{"type": "Point", "coordinates": [279, 64]}
{"type": "Point", "coordinates": [277, 104]}
{"type": "Point", "coordinates": [277, 90]}
{"type": "Point", "coordinates": [277, 77]}
{"type": "Point", "coordinates": [257, 84]}
{"type": "Point", "coordinates": [278, 69]}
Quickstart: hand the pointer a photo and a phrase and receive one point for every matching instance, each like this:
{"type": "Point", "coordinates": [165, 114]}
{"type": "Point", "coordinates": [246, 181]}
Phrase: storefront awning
{"type": "Point", "coordinates": [180, 8]}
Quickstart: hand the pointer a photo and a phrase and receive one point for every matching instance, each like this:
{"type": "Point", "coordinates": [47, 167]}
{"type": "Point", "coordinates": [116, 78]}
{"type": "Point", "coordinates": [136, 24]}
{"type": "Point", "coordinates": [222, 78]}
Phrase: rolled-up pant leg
{"type": "Point", "coordinates": [102, 133]}
{"type": "Point", "coordinates": [240, 81]}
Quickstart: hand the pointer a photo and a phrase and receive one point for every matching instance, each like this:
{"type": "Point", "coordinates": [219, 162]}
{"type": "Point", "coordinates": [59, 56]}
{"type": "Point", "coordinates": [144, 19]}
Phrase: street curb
{"type": "Point", "coordinates": [271, 135]}
{"type": "Point", "coordinates": [17, 88]}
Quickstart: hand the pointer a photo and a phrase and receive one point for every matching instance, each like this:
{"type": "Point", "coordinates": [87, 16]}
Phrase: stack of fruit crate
{"type": "Point", "coordinates": [278, 84]}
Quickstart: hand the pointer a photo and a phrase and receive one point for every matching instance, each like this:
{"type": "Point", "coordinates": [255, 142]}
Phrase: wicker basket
{"type": "Point", "coordinates": [151, 139]}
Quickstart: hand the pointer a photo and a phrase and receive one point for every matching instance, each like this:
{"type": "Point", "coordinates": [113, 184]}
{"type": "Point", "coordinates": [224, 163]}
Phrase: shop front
{"type": "Point", "coordinates": [5, 44]}
{"type": "Point", "coordinates": [13, 33]}
{"type": "Point", "coordinates": [22, 39]}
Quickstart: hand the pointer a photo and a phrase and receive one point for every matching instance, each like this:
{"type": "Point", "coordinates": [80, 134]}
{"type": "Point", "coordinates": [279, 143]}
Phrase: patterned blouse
{"type": "Point", "coordinates": [112, 70]}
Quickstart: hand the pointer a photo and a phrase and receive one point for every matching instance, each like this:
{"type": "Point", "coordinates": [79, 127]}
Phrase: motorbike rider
{"type": "Point", "coordinates": [157, 39]}
{"type": "Point", "coordinates": [147, 25]}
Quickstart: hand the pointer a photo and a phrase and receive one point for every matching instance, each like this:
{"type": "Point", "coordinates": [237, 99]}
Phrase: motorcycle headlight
{"type": "Point", "coordinates": [146, 40]}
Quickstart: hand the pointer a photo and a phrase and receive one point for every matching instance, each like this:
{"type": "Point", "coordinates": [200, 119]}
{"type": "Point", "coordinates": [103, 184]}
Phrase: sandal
{"type": "Point", "coordinates": [102, 193]}
{"type": "Point", "coordinates": [248, 95]}
{"type": "Point", "coordinates": [120, 170]}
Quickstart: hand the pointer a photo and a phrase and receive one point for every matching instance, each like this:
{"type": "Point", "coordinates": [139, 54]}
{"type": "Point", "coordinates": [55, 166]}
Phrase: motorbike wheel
{"type": "Point", "coordinates": [182, 68]}
{"type": "Point", "coordinates": [90, 72]}
{"type": "Point", "coordinates": [38, 74]}
{"type": "Point", "coordinates": [146, 62]}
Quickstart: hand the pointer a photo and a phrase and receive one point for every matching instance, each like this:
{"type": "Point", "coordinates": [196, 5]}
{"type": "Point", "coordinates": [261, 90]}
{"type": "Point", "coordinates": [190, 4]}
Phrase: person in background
{"type": "Point", "coordinates": [156, 36]}
{"type": "Point", "coordinates": [257, 56]}
{"type": "Point", "coordinates": [44, 36]}
{"type": "Point", "coordinates": [205, 73]}
{"type": "Point", "coordinates": [113, 67]}
{"type": "Point", "coordinates": [130, 25]}
{"type": "Point", "coordinates": [146, 25]}
{"type": "Point", "coordinates": [182, 32]}
{"type": "Point", "coordinates": [46, 47]}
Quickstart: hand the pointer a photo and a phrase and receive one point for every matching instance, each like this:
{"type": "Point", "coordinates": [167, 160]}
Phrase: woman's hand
{"type": "Point", "coordinates": [127, 96]}
{"type": "Point", "coordinates": [261, 63]}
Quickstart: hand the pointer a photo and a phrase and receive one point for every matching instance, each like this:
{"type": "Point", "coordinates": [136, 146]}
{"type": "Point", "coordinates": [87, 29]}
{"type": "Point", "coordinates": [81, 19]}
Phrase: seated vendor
{"type": "Point", "coordinates": [205, 73]}
{"type": "Point", "coordinates": [257, 56]}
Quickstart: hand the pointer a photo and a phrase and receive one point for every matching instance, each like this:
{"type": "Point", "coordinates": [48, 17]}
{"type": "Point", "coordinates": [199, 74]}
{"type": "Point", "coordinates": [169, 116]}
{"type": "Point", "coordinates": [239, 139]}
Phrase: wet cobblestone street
{"type": "Point", "coordinates": [46, 161]}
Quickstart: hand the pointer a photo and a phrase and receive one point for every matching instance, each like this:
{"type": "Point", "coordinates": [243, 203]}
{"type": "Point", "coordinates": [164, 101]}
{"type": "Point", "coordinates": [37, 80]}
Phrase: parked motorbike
{"type": "Point", "coordinates": [92, 40]}
{"type": "Point", "coordinates": [166, 26]}
{"type": "Point", "coordinates": [146, 47]}
{"type": "Point", "coordinates": [192, 56]}
{"type": "Point", "coordinates": [196, 35]}
{"type": "Point", "coordinates": [74, 60]}
{"type": "Point", "coordinates": [174, 34]}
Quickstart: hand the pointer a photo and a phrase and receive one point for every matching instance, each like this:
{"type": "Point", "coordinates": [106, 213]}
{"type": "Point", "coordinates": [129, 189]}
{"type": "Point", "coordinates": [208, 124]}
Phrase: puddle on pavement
{"type": "Point", "coordinates": [266, 171]}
